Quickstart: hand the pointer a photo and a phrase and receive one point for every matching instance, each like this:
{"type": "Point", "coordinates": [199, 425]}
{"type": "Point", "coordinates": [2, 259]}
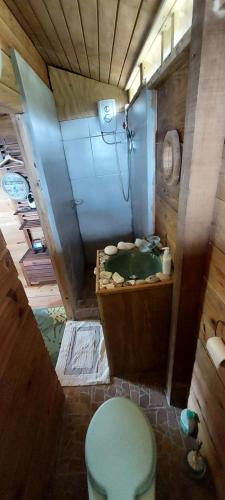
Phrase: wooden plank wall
{"type": "Point", "coordinates": [100, 39]}
{"type": "Point", "coordinates": [12, 35]}
{"type": "Point", "coordinates": [207, 394]}
{"type": "Point", "coordinates": [31, 397]}
{"type": "Point", "coordinates": [171, 104]}
{"type": "Point", "coordinates": [38, 296]}
{"type": "Point", "coordinates": [77, 96]}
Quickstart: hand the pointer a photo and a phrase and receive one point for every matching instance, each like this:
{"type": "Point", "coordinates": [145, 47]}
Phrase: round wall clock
{"type": "Point", "coordinates": [15, 186]}
{"type": "Point", "coordinates": [171, 158]}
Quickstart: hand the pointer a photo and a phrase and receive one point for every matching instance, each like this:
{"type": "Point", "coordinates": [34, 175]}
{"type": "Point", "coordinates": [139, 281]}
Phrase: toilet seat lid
{"type": "Point", "coordinates": [120, 450]}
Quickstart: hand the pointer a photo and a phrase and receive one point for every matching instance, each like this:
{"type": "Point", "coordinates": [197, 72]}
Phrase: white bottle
{"type": "Point", "coordinates": [166, 261]}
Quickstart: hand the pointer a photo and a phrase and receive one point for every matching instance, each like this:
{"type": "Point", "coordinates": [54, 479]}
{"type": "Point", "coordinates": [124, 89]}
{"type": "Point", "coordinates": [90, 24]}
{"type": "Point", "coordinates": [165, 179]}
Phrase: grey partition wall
{"type": "Point", "coordinates": [48, 151]}
{"type": "Point", "coordinates": [142, 122]}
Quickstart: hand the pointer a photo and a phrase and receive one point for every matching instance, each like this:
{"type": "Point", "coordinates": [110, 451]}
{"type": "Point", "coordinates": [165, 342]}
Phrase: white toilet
{"type": "Point", "coordinates": [120, 453]}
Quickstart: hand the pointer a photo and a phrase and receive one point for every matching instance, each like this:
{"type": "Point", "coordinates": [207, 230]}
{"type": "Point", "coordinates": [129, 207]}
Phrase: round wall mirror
{"type": "Point", "coordinates": [171, 158]}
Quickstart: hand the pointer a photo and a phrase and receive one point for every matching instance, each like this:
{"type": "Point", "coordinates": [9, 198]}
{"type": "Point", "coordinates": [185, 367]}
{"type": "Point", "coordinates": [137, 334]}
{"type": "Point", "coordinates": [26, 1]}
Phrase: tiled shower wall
{"type": "Point", "coordinates": [104, 216]}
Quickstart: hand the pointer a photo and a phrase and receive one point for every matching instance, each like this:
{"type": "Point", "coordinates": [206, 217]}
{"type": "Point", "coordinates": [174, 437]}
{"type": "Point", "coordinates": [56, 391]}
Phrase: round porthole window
{"type": "Point", "coordinates": [171, 158]}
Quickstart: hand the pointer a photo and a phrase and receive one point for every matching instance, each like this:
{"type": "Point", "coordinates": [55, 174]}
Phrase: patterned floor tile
{"type": "Point", "coordinates": [172, 481]}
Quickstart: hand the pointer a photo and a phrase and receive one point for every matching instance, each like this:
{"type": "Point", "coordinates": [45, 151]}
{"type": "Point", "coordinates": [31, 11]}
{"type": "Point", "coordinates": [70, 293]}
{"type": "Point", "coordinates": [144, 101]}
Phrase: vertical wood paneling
{"type": "Point", "coordinates": [107, 23]}
{"type": "Point", "coordinates": [72, 16]}
{"type": "Point", "coordinates": [58, 19]}
{"type": "Point", "coordinates": [31, 398]}
{"type": "Point", "coordinates": [48, 26]}
{"type": "Point", "coordinates": [143, 25]}
{"type": "Point", "coordinates": [89, 19]}
{"type": "Point", "coordinates": [13, 35]}
{"type": "Point", "coordinates": [127, 15]}
{"type": "Point", "coordinates": [24, 24]}
{"type": "Point", "coordinates": [30, 17]}
{"type": "Point", "coordinates": [100, 39]}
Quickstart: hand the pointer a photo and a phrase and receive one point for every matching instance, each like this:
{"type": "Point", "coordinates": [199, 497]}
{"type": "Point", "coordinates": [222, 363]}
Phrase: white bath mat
{"type": "Point", "coordinates": [82, 357]}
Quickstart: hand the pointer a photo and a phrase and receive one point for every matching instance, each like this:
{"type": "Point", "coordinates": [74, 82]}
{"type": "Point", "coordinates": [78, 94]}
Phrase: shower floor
{"type": "Point", "coordinates": [172, 483]}
{"type": "Point", "coordinates": [87, 307]}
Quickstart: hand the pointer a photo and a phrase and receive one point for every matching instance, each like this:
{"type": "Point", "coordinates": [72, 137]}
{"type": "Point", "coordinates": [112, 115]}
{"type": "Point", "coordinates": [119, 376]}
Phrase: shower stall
{"type": "Point", "coordinates": [112, 173]}
{"type": "Point", "coordinates": [96, 178]}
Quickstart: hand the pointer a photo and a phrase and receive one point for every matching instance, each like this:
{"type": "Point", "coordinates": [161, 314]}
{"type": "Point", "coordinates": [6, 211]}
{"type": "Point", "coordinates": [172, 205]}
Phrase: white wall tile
{"type": "Point", "coordinates": [94, 126]}
{"type": "Point", "coordinates": [75, 129]}
{"type": "Point", "coordinates": [79, 158]}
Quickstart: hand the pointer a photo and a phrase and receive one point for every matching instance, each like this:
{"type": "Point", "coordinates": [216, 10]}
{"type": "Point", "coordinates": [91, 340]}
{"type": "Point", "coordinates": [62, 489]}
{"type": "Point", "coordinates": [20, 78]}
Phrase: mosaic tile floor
{"type": "Point", "coordinates": [173, 482]}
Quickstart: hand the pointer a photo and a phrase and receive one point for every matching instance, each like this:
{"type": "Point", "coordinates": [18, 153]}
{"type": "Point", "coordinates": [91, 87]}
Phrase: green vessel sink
{"type": "Point", "coordinates": [133, 264]}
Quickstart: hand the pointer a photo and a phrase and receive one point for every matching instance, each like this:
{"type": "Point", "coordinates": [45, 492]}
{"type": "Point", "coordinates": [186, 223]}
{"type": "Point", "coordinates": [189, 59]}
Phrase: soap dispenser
{"type": "Point", "coordinates": [166, 261]}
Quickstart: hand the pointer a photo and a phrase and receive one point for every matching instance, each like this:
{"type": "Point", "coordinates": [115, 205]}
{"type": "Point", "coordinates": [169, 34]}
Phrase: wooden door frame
{"type": "Point", "coordinates": [18, 121]}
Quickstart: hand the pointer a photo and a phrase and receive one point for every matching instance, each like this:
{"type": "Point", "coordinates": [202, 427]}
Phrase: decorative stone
{"type": "Point", "coordinates": [122, 245]}
{"type": "Point", "coordinates": [117, 278]}
{"type": "Point", "coordinates": [139, 242]}
{"type": "Point", "coordinates": [110, 250]}
{"type": "Point", "coordinates": [105, 275]}
{"type": "Point", "coordinates": [140, 282]}
{"type": "Point", "coordinates": [105, 282]}
{"type": "Point", "coordinates": [130, 282]}
{"type": "Point", "coordinates": [110, 286]}
{"type": "Point", "coordinates": [162, 276]}
{"type": "Point", "coordinates": [152, 279]}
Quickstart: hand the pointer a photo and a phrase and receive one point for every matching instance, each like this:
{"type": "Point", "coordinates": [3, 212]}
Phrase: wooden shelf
{"type": "Point", "coordinates": [25, 210]}
{"type": "Point", "coordinates": [30, 224]}
{"type": "Point", "coordinates": [37, 267]}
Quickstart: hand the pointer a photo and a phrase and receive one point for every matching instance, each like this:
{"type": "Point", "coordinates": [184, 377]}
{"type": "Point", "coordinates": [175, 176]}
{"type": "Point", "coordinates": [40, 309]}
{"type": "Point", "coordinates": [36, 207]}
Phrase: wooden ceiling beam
{"type": "Point", "coordinates": [202, 155]}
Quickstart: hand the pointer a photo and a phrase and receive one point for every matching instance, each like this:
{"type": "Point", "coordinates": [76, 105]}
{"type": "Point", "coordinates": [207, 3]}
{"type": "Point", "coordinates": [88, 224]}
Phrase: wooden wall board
{"type": "Point", "coordinates": [100, 38]}
{"type": "Point", "coordinates": [31, 398]}
{"type": "Point", "coordinates": [148, 9]}
{"type": "Point", "coordinates": [221, 181]}
{"type": "Point", "coordinates": [71, 9]}
{"type": "Point", "coordinates": [207, 397]}
{"type": "Point", "coordinates": [216, 271]}
{"type": "Point", "coordinates": [172, 102]}
{"type": "Point", "coordinates": [208, 448]}
{"type": "Point", "coordinates": [107, 21]}
{"type": "Point", "coordinates": [126, 20]}
{"type": "Point", "coordinates": [213, 309]}
{"type": "Point", "coordinates": [41, 39]}
{"type": "Point", "coordinates": [166, 224]}
{"type": "Point", "coordinates": [90, 19]}
{"type": "Point", "coordinates": [206, 88]}
{"type": "Point", "coordinates": [76, 96]}
{"type": "Point", "coordinates": [218, 224]}
{"type": "Point", "coordinates": [10, 100]}
{"type": "Point", "coordinates": [171, 107]}
{"type": "Point", "coordinates": [13, 36]}
{"type": "Point", "coordinates": [7, 76]}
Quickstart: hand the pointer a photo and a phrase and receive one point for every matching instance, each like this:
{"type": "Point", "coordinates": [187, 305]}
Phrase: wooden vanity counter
{"type": "Point", "coordinates": [136, 325]}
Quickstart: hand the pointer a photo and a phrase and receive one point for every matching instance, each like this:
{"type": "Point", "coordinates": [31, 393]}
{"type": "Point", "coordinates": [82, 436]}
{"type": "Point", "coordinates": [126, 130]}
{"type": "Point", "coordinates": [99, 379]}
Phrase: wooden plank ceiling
{"type": "Point", "coordinates": [99, 39]}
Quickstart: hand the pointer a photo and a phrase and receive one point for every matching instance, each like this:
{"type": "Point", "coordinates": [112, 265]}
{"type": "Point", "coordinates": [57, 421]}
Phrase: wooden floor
{"type": "Point", "coordinates": [38, 296]}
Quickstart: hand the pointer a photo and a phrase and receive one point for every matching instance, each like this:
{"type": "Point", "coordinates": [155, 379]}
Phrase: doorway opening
{"type": "Point", "coordinates": [24, 236]}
